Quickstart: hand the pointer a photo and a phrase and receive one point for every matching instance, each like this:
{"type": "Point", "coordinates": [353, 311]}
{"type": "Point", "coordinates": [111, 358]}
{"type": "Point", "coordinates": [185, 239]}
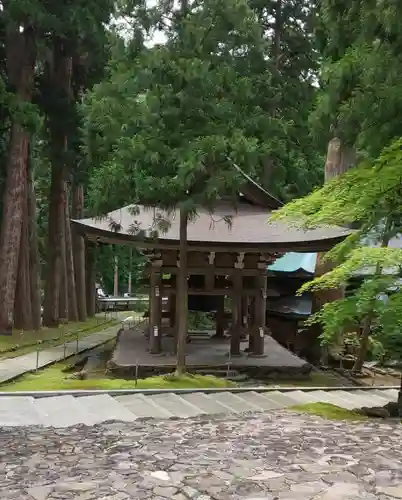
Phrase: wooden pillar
{"type": "Point", "coordinates": [260, 310]}
{"type": "Point", "coordinates": [220, 318]}
{"type": "Point", "coordinates": [155, 316]}
{"type": "Point", "coordinates": [210, 273]}
{"type": "Point", "coordinates": [172, 310]}
{"type": "Point", "coordinates": [252, 325]}
{"type": "Point", "coordinates": [244, 315]}
{"type": "Point", "coordinates": [244, 310]}
{"type": "Point", "coordinates": [236, 307]}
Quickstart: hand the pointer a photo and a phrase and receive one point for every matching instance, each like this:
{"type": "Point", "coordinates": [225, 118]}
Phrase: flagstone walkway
{"type": "Point", "coordinates": [274, 456]}
{"type": "Point", "coordinates": [14, 367]}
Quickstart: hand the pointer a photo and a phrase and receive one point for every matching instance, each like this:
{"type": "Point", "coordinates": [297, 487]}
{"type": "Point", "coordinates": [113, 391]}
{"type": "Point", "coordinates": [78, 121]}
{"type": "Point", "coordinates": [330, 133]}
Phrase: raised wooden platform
{"type": "Point", "coordinates": [203, 352]}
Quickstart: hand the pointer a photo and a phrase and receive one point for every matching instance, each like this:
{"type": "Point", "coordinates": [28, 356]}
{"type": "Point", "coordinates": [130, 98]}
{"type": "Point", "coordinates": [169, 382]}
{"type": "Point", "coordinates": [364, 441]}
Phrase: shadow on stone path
{"type": "Point", "coordinates": [279, 455]}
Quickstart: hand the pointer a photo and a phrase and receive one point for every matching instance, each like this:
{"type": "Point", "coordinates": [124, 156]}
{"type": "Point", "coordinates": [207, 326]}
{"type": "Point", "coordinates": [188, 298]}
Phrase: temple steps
{"type": "Point", "coordinates": [72, 409]}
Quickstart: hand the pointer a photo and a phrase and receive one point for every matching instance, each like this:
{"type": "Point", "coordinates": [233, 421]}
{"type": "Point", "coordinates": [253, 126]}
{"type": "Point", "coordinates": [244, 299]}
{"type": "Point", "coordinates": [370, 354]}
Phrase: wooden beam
{"type": "Point", "coordinates": [216, 291]}
{"type": "Point", "coordinates": [218, 271]}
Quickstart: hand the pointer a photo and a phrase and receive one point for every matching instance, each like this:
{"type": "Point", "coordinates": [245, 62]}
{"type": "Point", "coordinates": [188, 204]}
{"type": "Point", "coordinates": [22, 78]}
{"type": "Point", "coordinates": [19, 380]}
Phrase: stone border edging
{"type": "Point", "coordinates": [211, 390]}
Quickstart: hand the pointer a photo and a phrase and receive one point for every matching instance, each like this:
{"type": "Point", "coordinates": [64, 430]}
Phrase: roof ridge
{"type": "Point", "coordinates": [263, 197]}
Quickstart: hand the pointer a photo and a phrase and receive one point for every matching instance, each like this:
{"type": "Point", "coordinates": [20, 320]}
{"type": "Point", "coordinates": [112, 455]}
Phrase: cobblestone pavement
{"type": "Point", "coordinates": [279, 455]}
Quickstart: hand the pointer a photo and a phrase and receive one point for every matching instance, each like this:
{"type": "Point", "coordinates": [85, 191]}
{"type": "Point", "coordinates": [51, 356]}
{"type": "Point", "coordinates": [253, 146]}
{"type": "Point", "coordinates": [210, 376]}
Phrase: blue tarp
{"type": "Point", "coordinates": [292, 262]}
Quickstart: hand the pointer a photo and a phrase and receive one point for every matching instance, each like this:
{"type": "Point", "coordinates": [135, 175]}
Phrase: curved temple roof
{"type": "Point", "coordinates": [249, 229]}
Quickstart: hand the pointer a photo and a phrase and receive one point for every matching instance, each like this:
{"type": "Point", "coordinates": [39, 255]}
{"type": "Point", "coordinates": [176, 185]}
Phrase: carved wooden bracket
{"type": "Point", "coordinates": [239, 264]}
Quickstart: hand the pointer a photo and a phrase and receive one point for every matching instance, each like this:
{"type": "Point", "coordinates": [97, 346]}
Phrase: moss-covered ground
{"type": "Point", "coordinates": [54, 378]}
{"type": "Point", "coordinates": [328, 411]}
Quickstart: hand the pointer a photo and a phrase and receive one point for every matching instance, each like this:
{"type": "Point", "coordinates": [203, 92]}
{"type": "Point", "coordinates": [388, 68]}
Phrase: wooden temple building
{"type": "Point", "coordinates": [223, 261]}
{"type": "Point", "coordinates": [287, 312]}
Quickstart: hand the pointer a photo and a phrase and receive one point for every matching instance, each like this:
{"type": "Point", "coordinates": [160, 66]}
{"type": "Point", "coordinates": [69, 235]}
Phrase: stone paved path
{"type": "Point", "coordinates": [279, 455]}
{"type": "Point", "coordinates": [14, 367]}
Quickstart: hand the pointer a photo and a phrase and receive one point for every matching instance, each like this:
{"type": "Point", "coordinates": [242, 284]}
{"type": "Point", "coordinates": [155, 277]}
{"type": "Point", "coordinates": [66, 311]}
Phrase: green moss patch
{"type": "Point", "coordinates": [328, 411]}
{"type": "Point", "coordinates": [53, 379]}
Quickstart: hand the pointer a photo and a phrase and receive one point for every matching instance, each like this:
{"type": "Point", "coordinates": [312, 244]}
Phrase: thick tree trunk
{"type": "Point", "coordinates": [61, 82]}
{"type": "Point", "coordinates": [182, 297]}
{"type": "Point", "coordinates": [181, 279]}
{"type": "Point", "coordinates": [339, 159]}
{"type": "Point", "coordinates": [54, 250]}
{"type": "Point", "coordinates": [366, 330]}
{"type": "Point", "coordinates": [400, 399]}
{"type": "Point", "coordinates": [63, 298]}
{"type": "Point", "coordinates": [364, 344]}
{"type": "Point", "coordinates": [34, 258]}
{"type": "Point", "coordinates": [20, 53]}
{"type": "Point", "coordinates": [71, 289]}
{"type": "Point", "coordinates": [116, 277]}
{"type": "Point", "coordinates": [79, 252]}
{"type": "Point", "coordinates": [90, 279]}
{"type": "Point", "coordinates": [276, 43]}
{"type": "Point", "coordinates": [129, 284]}
{"type": "Point", "coordinates": [22, 302]}
{"type": "Point", "coordinates": [268, 164]}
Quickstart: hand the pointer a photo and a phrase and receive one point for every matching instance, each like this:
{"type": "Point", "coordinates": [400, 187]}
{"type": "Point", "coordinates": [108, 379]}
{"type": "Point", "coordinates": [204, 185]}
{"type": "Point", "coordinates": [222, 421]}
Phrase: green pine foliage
{"type": "Point", "coordinates": [296, 165]}
{"type": "Point", "coordinates": [170, 120]}
{"type": "Point", "coordinates": [172, 124]}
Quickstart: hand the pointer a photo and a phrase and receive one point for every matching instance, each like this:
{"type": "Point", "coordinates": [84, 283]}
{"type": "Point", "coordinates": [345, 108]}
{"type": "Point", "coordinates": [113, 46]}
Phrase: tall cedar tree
{"type": "Point", "coordinates": [20, 42]}
{"type": "Point", "coordinates": [293, 166]}
{"type": "Point", "coordinates": [333, 38]}
{"type": "Point", "coordinates": [24, 27]}
{"type": "Point", "coordinates": [178, 116]}
{"type": "Point", "coordinates": [78, 25]}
